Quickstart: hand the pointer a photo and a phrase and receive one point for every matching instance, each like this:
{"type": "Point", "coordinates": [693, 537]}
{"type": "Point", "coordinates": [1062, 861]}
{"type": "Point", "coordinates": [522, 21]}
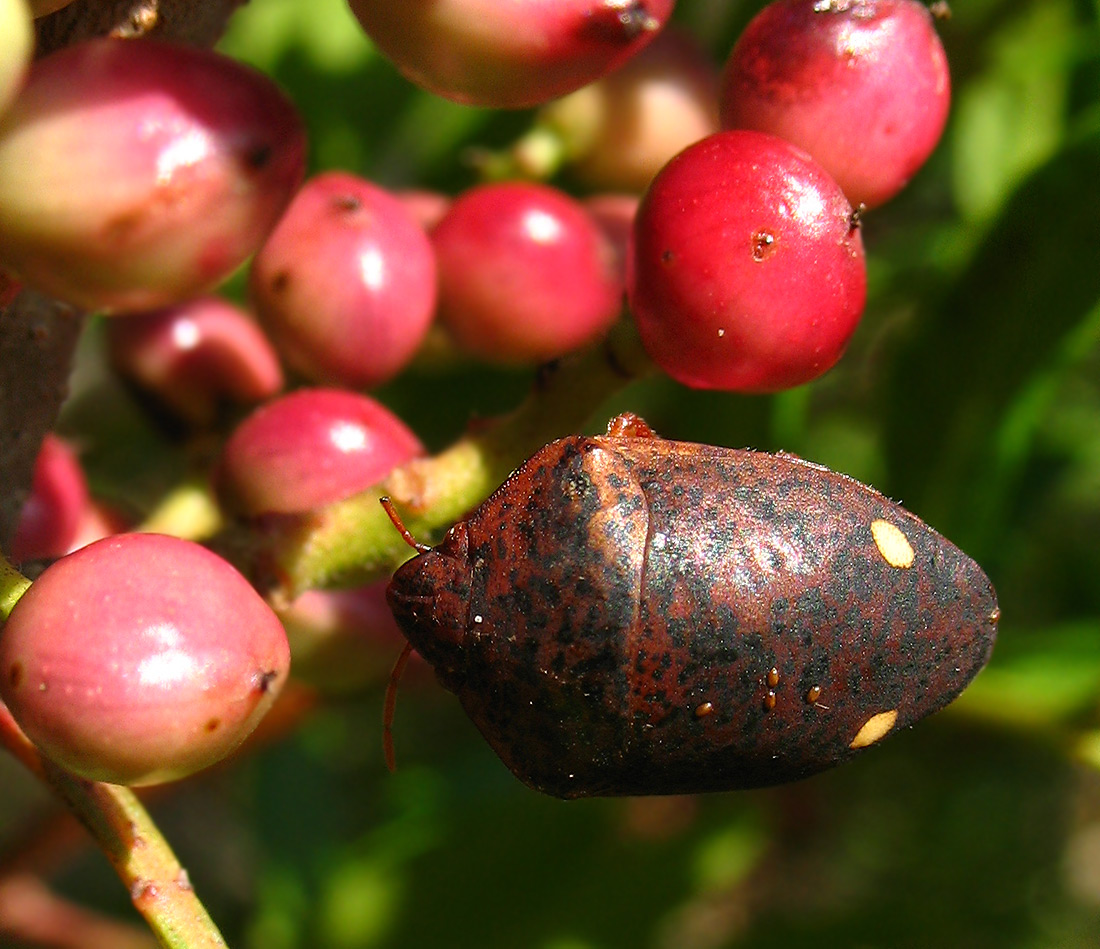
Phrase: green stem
{"type": "Point", "coordinates": [117, 820]}
{"type": "Point", "coordinates": [353, 541]}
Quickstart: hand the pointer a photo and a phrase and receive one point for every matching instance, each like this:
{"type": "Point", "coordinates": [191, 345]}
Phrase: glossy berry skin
{"type": "Point", "coordinates": [748, 271]}
{"type": "Point", "coordinates": [196, 356]}
{"type": "Point", "coordinates": [310, 448]}
{"type": "Point", "coordinates": [135, 174]}
{"type": "Point", "coordinates": [346, 283]}
{"type": "Point", "coordinates": [118, 670]}
{"type": "Point", "coordinates": [54, 511]}
{"type": "Point", "coordinates": [525, 273]}
{"type": "Point", "coordinates": [615, 616]}
{"type": "Point", "coordinates": [509, 55]}
{"type": "Point", "coordinates": [862, 85]}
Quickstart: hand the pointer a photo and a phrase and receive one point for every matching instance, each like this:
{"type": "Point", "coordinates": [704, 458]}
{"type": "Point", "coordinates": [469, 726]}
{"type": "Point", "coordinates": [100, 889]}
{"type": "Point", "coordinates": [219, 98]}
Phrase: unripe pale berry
{"type": "Point", "coordinates": [620, 131]}
{"type": "Point", "coordinates": [16, 46]}
{"type": "Point", "coordinates": [525, 274]}
{"type": "Point", "coordinates": [346, 283]}
{"type": "Point", "coordinates": [140, 659]}
{"type": "Point", "coordinates": [135, 174]}
{"type": "Point", "coordinates": [509, 55]}
{"type": "Point", "coordinates": [747, 272]}
{"type": "Point", "coordinates": [196, 355]}
{"type": "Point", "coordinates": [862, 85]}
{"type": "Point", "coordinates": [309, 448]}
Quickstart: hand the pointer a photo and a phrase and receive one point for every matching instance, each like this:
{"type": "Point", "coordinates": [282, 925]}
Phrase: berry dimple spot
{"type": "Point", "coordinates": [16, 675]}
{"type": "Point", "coordinates": [258, 156]}
{"type": "Point", "coordinates": [763, 245]}
{"type": "Point", "coordinates": [346, 203]}
{"type": "Point", "coordinates": [213, 725]}
{"type": "Point", "coordinates": [892, 544]}
{"type": "Point", "coordinates": [874, 728]}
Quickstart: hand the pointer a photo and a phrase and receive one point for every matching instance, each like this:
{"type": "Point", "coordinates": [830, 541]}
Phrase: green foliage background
{"type": "Point", "coordinates": [971, 393]}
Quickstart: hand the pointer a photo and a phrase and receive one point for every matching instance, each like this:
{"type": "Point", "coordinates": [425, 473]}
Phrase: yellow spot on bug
{"type": "Point", "coordinates": [892, 544]}
{"type": "Point", "coordinates": [874, 728]}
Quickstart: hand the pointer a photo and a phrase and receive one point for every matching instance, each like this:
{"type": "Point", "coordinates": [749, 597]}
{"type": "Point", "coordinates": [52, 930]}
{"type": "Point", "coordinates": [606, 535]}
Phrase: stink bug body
{"type": "Point", "coordinates": [632, 615]}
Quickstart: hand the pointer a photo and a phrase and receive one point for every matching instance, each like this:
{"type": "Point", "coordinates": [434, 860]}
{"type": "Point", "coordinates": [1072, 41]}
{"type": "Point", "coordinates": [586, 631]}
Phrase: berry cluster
{"type": "Point", "coordinates": [721, 210]}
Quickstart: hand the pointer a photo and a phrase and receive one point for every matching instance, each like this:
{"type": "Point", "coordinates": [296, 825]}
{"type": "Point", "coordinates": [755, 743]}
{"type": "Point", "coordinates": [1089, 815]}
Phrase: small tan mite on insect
{"type": "Point", "coordinates": [769, 700]}
{"type": "Point", "coordinates": [773, 677]}
{"type": "Point", "coordinates": [813, 694]}
{"type": "Point", "coordinates": [705, 709]}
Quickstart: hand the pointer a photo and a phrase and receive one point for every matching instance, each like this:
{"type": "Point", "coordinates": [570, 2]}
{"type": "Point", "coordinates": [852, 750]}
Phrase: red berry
{"type": "Point", "coordinates": [748, 271]}
{"type": "Point", "coordinates": [862, 85]}
{"type": "Point", "coordinates": [195, 355]}
{"type": "Point", "coordinates": [509, 55]}
{"type": "Point", "coordinates": [135, 174]}
{"type": "Point", "coordinates": [346, 283]}
{"type": "Point", "coordinates": [54, 511]}
{"type": "Point", "coordinates": [309, 448]}
{"type": "Point", "coordinates": [140, 659]}
{"type": "Point", "coordinates": [525, 274]}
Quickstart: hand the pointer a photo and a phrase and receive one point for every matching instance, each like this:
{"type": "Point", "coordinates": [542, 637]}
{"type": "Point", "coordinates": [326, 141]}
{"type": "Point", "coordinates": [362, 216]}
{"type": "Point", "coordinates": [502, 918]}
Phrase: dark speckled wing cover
{"type": "Point", "coordinates": [631, 597]}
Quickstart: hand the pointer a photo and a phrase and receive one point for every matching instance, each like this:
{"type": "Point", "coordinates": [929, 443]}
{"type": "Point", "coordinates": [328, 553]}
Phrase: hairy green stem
{"type": "Point", "coordinates": [353, 541]}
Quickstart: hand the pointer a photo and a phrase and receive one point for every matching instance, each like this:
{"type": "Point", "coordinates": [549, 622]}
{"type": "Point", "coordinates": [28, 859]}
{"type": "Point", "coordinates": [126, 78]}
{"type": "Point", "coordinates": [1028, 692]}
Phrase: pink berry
{"type": "Point", "coordinates": [525, 274]}
{"type": "Point", "coordinates": [748, 271]}
{"type": "Point", "coordinates": [54, 510]}
{"type": "Point", "coordinates": [346, 283]}
{"type": "Point", "coordinates": [342, 639]}
{"type": "Point", "coordinates": [509, 55]}
{"type": "Point", "coordinates": [862, 85]}
{"type": "Point", "coordinates": [196, 355]}
{"type": "Point", "coordinates": [620, 131]}
{"type": "Point", "coordinates": [614, 213]}
{"type": "Point", "coordinates": [309, 448]}
{"type": "Point", "coordinates": [426, 207]}
{"type": "Point", "coordinates": [135, 174]}
{"type": "Point", "coordinates": [140, 659]}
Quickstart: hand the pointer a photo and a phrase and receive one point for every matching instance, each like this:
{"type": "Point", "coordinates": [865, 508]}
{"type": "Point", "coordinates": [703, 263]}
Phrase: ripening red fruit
{"type": "Point", "coordinates": [525, 274]}
{"type": "Point", "coordinates": [309, 448]}
{"type": "Point", "coordinates": [195, 356]}
{"type": "Point", "coordinates": [346, 283]}
{"type": "Point", "coordinates": [862, 85]}
{"type": "Point", "coordinates": [620, 131]}
{"type": "Point", "coordinates": [55, 509]}
{"type": "Point", "coordinates": [140, 659]}
{"type": "Point", "coordinates": [16, 46]}
{"type": "Point", "coordinates": [747, 272]}
{"type": "Point", "coordinates": [135, 174]}
{"type": "Point", "coordinates": [509, 55]}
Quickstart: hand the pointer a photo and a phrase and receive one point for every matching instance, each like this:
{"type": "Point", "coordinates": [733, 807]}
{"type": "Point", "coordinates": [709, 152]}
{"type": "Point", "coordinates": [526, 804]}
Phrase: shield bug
{"type": "Point", "coordinates": [632, 615]}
